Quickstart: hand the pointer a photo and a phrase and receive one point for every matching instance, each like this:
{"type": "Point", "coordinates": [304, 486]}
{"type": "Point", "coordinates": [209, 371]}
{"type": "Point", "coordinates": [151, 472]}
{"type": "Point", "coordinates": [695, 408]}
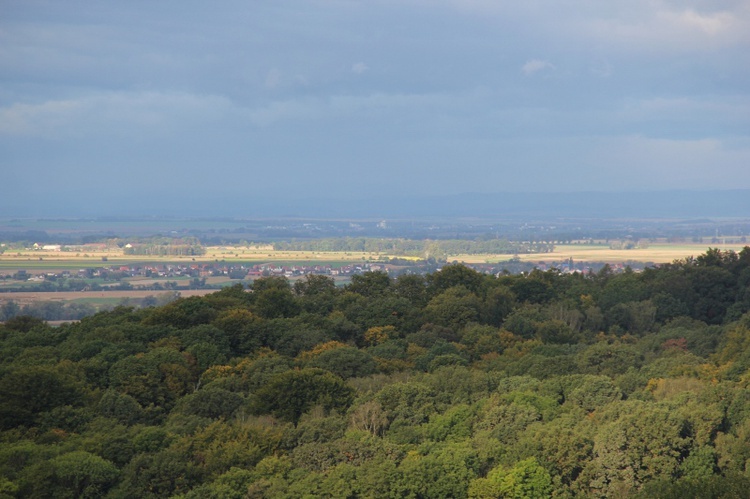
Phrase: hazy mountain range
{"type": "Point", "coordinates": [506, 205]}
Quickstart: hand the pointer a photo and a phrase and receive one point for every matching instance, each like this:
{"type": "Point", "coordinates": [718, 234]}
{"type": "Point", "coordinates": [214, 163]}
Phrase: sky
{"type": "Point", "coordinates": [108, 106]}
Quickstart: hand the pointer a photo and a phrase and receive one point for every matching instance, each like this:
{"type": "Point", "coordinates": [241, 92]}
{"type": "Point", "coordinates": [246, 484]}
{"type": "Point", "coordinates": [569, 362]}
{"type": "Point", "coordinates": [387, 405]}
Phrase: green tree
{"type": "Point", "coordinates": [645, 443]}
{"type": "Point", "coordinates": [82, 474]}
{"type": "Point", "coordinates": [273, 298]}
{"type": "Point", "coordinates": [453, 308]}
{"type": "Point", "coordinates": [455, 275]}
{"type": "Point", "coordinates": [157, 378]}
{"type": "Point", "coordinates": [406, 405]}
{"type": "Point", "coordinates": [533, 289]}
{"type": "Point", "coordinates": [291, 394]}
{"type": "Point", "coordinates": [526, 480]}
{"type": "Point", "coordinates": [162, 474]}
{"type": "Point", "coordinates": [28, 391]}
{"type": "Point", "coordinates": [317, 293]}
{"type": "Point", "coordinates": [120, 406]}
{"type": "Point", "coordinates": [608, 359]}
{"type": "Point", "coordinates": [497, 305]}
{"type": "Point", "coordinates": [370, 284]}
{"type": "Point", "coordinates": [182, 313]}
{"type": "Point", "coordinates": [241, 331]}
{"type": "Point", "coordinates": [563, 446]}
{"type": "Point", "coordinates": [211, 402]}
{"type": "Point", "coordinates": [413, 287]}
{"type": "Point", "coordinates": [443, 473]}
{"type": "Point", "coordinates": [590, 392]}
{"type": "Point", "coordinates": [346, 362]}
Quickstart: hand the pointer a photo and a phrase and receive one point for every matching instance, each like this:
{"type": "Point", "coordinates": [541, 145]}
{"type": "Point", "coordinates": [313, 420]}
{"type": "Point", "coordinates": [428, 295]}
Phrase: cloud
{"type": "Point", "coordinates": [712, 24]}
{"type": "Point", "coordinates": [637, 161]}
{"type": "Point", "coordinates": [656, 27]}
{"type": "Point", "coordinates": [279, 111]}
{"type": "Point", "coordinates": [117, 113]}
{"type": "Point", "coordinates": [535, 65]}
{"type": "Point", "coordinates": [230, 87]}
{"type": "Point", "coordinates": [32, 119]}
{"type": "Point", "coordinates": [633, 26]}
{"type": "Point", "coordinates": [708, 117]}
{"type": "Point", "coordinates": [359, 68]}
{"type": "Point", "coordinates": [126, 114]}
{"type": "Point", "coordinates": [337, 106]}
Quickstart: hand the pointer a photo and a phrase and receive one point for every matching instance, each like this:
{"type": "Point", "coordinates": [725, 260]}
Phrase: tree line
{"type": "Point", "coordinates": [424, 248]}
{"type": "Point", "coordinates": [164, 246]}
{"type": "Point", "coordinates": [451, 384]}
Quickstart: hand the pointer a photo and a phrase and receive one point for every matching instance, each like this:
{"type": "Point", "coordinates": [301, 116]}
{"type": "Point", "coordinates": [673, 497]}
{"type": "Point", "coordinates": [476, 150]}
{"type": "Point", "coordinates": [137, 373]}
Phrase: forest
{"type": "Point", "coordinates": [446, 385]}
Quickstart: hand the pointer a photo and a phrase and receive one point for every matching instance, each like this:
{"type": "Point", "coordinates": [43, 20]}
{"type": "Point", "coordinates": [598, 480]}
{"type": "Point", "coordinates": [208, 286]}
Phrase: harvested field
{"type": "Point", "coordinates": [37, 262]}
{"type": "Point", "coordinates": [656, 253]}
{"type": "Point", "coordinates": [41, 261]}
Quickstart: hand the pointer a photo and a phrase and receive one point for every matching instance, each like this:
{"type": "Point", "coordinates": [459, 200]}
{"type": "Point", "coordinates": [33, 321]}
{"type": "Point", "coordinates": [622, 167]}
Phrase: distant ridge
{"type": "Point", "coordinates": [673, 204]}
{"type": "Point", "coordinates": [655, 204]}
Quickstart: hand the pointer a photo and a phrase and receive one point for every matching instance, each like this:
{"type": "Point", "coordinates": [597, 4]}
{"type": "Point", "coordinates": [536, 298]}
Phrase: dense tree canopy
{"type": "Point", "coordinates": [454, 384]}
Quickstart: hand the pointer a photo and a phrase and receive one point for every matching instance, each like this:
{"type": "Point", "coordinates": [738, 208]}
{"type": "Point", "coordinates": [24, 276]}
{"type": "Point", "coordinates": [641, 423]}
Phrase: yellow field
{"type": "Point", "coordinates": [213, 253]}
{"type": "Point", "coordinates": [36, 261]}
{"type": "Point", "coordinates": [265, 255]}
{"type": "Point", "coordinates": [655, 253]}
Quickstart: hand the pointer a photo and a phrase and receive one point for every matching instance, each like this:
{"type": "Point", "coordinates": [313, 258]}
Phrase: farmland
{"type": "Point", "coordinates": [659, 252]}
{"type": "Point", "coordinates": [37, 261]}
{"type": "Point", "coordinates": [104, 277]}
{"type": "Point", "coordinates": [655, 253]}
{"type": "Point", "coordinates": [103, 292]}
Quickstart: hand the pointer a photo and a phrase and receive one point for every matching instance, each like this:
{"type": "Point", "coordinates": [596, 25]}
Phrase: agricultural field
{"type": "Point", "coordinates": [39, 264]}
{"type": "Point", "coordinates": [39, 261]}
{"type": "Point", "coordinates": [655, 253]}
{"type": "Point", "coordinates": [255, 255]}
{"type": "Point", "coordinates": [109, 292]}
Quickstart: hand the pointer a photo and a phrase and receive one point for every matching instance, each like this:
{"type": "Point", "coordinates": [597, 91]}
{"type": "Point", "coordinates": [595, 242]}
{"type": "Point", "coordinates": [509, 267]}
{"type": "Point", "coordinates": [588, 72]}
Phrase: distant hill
{"type": "Point", "coordinates": [646, 204]}
{"type": "Point", "coordinates": [364, 204]}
